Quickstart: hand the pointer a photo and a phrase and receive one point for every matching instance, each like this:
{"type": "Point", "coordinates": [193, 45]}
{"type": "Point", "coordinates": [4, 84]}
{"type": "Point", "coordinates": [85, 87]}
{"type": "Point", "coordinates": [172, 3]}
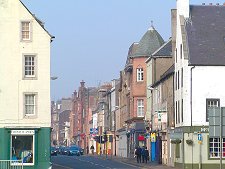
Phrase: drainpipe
{"type": "Point", "coordinates": [191, 114]}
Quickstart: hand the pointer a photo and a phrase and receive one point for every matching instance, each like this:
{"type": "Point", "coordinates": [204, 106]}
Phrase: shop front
{"type": "Point", "coordinates": [29, 146]}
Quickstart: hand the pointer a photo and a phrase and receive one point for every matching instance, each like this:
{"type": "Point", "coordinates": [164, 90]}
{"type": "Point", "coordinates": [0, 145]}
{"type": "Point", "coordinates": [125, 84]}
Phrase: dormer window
{"type": "Point", "coordinates": [140, 74]}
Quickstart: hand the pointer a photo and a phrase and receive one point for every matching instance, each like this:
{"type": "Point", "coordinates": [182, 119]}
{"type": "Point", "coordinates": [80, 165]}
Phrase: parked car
{"type": "Point", "coordinates": [53, 151]}
{"type": "Point", "coordinates": [65, 150]}
{"type": "Point", "coordinates": [73, 150]}
{"type": "Point", "coordinates": [79, 148]}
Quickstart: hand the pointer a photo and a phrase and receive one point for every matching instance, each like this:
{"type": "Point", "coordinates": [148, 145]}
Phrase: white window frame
{"type": "Point", "coordinates": [23, 133]}
{"type": "Point", "coordinates": [140, 74]}
{"type": "Point", "coordinates": [213, 146]}
{"type": "Point", "coordinates": [34, 104]}
{"type": "Point", "coordinates": [211, 102]}
{"type": "Point", "coordinates": [26, 30]}
{"type": "Point", "coordinates": [140, 108]}
{"type": "Point", "coordinates": [30, 66]}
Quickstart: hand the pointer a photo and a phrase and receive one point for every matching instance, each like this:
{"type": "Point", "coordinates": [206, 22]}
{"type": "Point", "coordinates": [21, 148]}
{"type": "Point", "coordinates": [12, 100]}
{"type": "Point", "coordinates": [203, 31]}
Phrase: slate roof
{"type": "Point", "coordinates": [150, 42]}
{"type": "Point", "coordinates": [206, 35]}
{"type": "Point", "coordinates": [165, 50]}
{"type": "Point", "coordinates": [166, 75]}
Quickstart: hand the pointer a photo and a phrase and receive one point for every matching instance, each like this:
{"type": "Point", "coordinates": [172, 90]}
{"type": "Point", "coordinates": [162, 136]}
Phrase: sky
{"type": "Point", "coordinates": [92, 37]}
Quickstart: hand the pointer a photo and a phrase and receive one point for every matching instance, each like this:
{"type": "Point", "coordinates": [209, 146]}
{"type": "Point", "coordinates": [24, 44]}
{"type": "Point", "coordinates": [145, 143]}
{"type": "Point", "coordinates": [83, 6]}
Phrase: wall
{"type": "Point", "coordinates": [12, 50]}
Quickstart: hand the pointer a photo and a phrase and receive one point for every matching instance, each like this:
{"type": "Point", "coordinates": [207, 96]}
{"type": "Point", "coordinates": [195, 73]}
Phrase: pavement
{"type": "Point", "coordinates": [133, 162]}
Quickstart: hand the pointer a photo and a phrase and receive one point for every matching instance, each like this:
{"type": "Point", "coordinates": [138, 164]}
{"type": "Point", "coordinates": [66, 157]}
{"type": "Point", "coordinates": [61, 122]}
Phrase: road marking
{"type": "Point", "coordinates": [61, 166]}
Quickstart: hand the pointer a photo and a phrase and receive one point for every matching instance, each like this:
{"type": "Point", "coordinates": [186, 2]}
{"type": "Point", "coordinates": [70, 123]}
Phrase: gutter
{"type": "Point", "coordinates": [191, 113]}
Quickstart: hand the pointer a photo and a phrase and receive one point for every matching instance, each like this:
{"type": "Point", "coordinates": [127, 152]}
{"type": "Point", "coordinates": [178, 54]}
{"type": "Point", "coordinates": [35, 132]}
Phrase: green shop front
{"type": "Point", "coordinates": [29, 147]}
{"type": "Point", "coordinates": [195, 148]}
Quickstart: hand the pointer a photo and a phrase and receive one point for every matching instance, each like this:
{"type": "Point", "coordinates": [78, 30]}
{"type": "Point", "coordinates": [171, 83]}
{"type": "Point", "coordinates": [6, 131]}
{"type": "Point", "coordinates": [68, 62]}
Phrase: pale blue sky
{"type": "Point", "coordinates": [93, 36]}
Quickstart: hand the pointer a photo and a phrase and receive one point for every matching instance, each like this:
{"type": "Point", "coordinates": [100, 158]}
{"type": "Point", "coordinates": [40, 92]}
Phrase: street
{"type": "Point", "coordinates": [85, 162]}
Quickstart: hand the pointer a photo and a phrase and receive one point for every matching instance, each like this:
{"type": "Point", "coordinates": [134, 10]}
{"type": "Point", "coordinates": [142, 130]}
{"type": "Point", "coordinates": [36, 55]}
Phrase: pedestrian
{"type": "Point", "coordinates": [92, 149]}
{"type": "Point", "coordinates": [138, 154]}
{"type": "Point", "coordinates": [87, 149]}
{"type": "Point", "coordinates": [143, 154]}
{"type": "Point", "coordinates": [146, 155]}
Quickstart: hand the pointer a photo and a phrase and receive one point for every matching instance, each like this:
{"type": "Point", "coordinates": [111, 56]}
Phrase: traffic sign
{"type": "Point", "coordinates": [199, 137]}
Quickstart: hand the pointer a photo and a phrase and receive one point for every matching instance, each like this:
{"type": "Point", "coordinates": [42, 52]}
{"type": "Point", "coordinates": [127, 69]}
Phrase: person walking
{"type": "Point", "coordinates": [143, 154]}
{"type": "Point", "coordinates": [92, 149]}
{"type": "Point", "coordinates": [87, 149]}
{"type": "Point", "coordinates": [138, 154]}
{"type": "Point", "coordinates": [146, 155]}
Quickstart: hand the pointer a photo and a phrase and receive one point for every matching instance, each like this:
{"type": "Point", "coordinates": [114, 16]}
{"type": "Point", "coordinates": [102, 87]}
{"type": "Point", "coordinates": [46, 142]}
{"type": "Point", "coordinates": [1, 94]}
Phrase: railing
{"type": "Point", "coordinates": [11, 164]}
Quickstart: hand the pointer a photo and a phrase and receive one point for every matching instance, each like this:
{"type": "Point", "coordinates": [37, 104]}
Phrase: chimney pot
{"type": "Point", "coordinates": [203, 3]}
{"type": "Point", "coordinates": [210, 3]}
{"type": "Point", "coordinates": [217, 4]}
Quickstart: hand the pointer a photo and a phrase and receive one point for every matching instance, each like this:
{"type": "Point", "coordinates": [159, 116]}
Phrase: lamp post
{"type": "Point", "coordinates": [114, 127]}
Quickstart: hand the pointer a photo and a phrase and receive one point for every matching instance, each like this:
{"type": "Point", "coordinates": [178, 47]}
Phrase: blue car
{"type": "Point", "coordinates": [73, 150]}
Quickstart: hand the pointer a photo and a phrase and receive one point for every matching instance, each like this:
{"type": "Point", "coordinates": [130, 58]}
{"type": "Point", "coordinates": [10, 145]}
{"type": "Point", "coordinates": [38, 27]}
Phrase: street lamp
{"type": "Point", "coordinates": [53, 77]}
{"type": "Point", "coordinates": [116, 108]}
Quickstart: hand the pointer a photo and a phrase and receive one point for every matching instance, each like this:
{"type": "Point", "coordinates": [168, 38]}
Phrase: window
{"type": "Point", "coordinates": [178, 80]}
{"type": "Point", "coordinates": [182, 111]}
{"type": "Point", "coordinates": [26, 30]}
{"type": "Point", "coordinates": [30, 104]}
{"type": "Point", "coordinates": [176, 113]}
{"type": "Point", "coordinates": [140, 108]}
{"type": "Point", "coordinates": [214, 147]}
{"type": "Point", "coordinates": [182, 77]}
{"type": "Point", "coordinates": [140, 74]}
{"type": "Point", "coordinates": [22, 146]}
{"type": "Point", "coordinates": [181, 51]}
{"type": "Point", "coordinates": [211, 103]}
{"type": "Point", "coordinates": [29, 66]}
{"type": "Point", "coordinates": [176, 55]}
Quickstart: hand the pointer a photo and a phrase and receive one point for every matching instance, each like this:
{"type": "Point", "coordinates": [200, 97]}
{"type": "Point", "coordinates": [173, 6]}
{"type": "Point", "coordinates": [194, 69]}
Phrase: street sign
{"type": "Point", "coordinates": [199, 137]}
{"type": "Point", "coordinates": [216, 121]}
{"type": "Point", "coordinates": [93, 131]}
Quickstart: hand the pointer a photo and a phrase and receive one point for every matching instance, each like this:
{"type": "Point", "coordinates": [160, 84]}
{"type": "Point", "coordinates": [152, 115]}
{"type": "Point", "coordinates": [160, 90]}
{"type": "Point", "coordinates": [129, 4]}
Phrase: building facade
{"type": "Point", "coordinates": [199, 65]}
{"type": "Point", "coordinates": [25, 121]}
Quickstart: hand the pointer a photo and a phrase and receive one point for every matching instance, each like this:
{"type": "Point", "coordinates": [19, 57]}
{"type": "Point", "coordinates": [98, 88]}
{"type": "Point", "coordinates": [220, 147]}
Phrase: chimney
{"type": "Point", "coordinates": [82, 83]}
{"type": "Point", "coordinates": [210, 4]}
{"type": "Point", "coordinates": [183, 7]}
{"type": "Point", "coordinates": [224, 4]}
{"type": "Point", "coordinates": [217, 4]}
{"type": "Point", "coordinates": [203, 3]}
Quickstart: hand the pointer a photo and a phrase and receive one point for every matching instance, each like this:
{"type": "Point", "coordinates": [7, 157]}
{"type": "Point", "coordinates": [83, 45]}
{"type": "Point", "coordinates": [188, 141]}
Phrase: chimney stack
{"type": "Point", "coordinates": [210, 3]}
{"type": "Point", "coordinates": [217, 4]}
{"type": "Point", "coordinates": [203, 3]}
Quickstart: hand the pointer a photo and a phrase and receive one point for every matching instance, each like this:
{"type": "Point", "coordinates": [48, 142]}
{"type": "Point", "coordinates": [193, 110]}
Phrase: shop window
{"type": "Point", "coordinates": [214, 147]}
{"type": "Point", "coordinates": [22, 146]}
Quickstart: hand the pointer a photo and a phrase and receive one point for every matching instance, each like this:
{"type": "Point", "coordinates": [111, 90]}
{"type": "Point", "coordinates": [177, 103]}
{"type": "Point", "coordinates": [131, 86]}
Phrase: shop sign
{"type": "Point", "coordinates": [22, 132]}
{"type": "Point", "coordinates": [153, 137]}
{"type": "Point", "coordinates": [141, 138]}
